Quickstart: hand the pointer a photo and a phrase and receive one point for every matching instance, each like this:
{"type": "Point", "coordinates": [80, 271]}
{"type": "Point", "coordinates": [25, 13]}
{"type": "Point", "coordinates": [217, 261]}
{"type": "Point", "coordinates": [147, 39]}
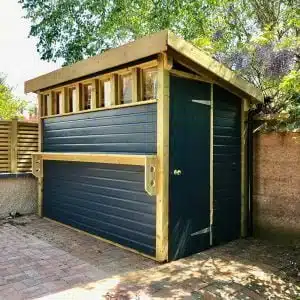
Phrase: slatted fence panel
{"type": "Point", "coordinates": [5, 146]}
{"type": "Point", "coordinates": [27, 143]}
{"type": "Point", "coordinates": [17, 141]}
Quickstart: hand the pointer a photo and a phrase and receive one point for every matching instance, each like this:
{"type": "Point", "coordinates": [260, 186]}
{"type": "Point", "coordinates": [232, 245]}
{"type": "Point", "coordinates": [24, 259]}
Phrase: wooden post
{"type": "Point", "coordinates": [114, 90]}
{"type": "Point", "coordinates": [244, 208]}
{"type": "Point", "coordinates": [77, 106]}
{"type": "Point", "coordinates": [162, 198]}
{"type": "Point", "coordinates": [136, 92]}
{"type": "Point", "coordinates": [40, 148]}
{"type": "Point", "coordinates": [95, 93]}
{"type": "Point", "coordinates": [13, 146]}
{"type": "Point", "coordinates": [211, 175]}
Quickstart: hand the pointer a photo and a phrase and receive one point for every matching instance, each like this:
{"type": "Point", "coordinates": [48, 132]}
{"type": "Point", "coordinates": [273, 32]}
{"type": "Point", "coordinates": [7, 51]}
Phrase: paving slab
{"type": "Point", "coordinates": [45, 260]}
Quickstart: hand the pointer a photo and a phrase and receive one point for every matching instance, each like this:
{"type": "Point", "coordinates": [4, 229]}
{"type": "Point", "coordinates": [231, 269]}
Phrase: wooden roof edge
{"type": "Point", "coordinates": [138, 49]}
{"type": "Point", "coordinates": [210, 64]}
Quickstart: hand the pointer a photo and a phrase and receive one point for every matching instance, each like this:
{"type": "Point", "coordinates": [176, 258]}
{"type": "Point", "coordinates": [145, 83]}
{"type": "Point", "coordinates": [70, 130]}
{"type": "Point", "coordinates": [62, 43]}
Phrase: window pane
{"type": "Point", "coordinates": [150, 84]}
{"type": "Point", "coordinates": [107, 93]}
{"type": "Point", "coordinates": [45, 105]}
{"type": "Point", "coordinates": [56, 105]}
{"type": "Point", "coordinates": [126, 89]}
{"type": "Point", "coordinates": [87, 96]}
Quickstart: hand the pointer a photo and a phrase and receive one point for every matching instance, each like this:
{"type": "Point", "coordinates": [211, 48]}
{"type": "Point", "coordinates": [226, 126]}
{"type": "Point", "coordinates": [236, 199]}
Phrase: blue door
{"type": "Point", "coordinates": [189, 192]}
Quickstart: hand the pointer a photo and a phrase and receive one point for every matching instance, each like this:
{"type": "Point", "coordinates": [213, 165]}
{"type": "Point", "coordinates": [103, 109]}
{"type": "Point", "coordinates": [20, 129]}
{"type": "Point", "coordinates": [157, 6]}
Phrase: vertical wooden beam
{"type": "Point", "coordinates": [50, 104]}
{"type": "Point", "coordinates": [77, 106]}
{"type": "Point", "coordinates": [66, 100]}
{"type": "Point", "coordinates": [101, 93]}
{"type": "Point", "coordinates": [244, 194]}
{"type": "Point", "coordinates": [162, 198]}
{"type": "Point", "coordinates": [136, 91]}
{"type": "Point", "coordinates": [13, 146]}
{"type": "Point", "coordinates": [115, 99]}
{"type": "Point", "coordinates": [211, 172]}
{"type": "Point", "coordinates": [95, 94]}
{"type": "Point", "coordinates": [40, 148]}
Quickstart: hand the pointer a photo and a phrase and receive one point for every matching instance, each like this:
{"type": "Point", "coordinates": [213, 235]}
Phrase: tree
{"type": "Point", "coordinates": [10, 106]}
{"type": "Point", "coordinates": [259, 39]}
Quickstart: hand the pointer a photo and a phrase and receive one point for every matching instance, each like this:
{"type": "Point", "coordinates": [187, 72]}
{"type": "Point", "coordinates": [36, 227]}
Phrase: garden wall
{"type": "Point", "coordinates": [18, 193]}
{"type": "Point", "coordinates": [276, 190]}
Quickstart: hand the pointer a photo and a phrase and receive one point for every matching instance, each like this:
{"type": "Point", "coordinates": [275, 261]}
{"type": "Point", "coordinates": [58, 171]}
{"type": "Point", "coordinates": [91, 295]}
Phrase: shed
{"type": "Point", "coordinates": [144, 146]}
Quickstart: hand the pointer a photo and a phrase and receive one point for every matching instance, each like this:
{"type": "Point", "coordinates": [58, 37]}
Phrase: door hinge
{"type": "Point", "coordinates": [202, 231]}
{"type": "Point", "coordinates": [204, 102]}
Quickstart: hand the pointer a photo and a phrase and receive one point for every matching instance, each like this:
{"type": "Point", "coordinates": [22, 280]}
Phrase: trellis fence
{"type": "Point", "coordinates": [17, 140]}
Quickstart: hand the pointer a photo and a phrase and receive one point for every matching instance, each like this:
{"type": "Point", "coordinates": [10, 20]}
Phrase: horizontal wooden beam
{"type": "Point", "coordinates": [102, 108]}
{"type": "Point", "coordinates": [119, 159]}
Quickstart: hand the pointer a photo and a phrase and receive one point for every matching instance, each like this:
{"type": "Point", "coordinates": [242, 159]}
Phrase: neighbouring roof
{"type": "Point", "coordinates": [139, 49]}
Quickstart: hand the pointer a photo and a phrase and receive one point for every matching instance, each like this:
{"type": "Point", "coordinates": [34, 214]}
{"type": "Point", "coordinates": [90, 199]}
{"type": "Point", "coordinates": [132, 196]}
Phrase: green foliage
{"type": "Point", "coordinates": [259, 39]}
{"type": "Point", "coordinates": [10, 106]}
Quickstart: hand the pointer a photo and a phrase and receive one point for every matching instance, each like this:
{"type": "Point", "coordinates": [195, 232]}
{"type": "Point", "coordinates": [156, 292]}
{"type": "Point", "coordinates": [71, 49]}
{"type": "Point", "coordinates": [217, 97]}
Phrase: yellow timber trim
{"type": "Point", "coordinates": [189, 76]}
{"type": "Point", "coordinates": [40, 149]}
{"type": "Point", "coordinates": [144, 47]}
{"type": "Point", "coordinates": [103, 108]}
{"type": "Point", "coordinates": [211, 172]}
{"type": "Point", "coordinates": [102, 239]}
{"type": "Point", "coordinates": [199, 57]}
{"type": "Point", "coordinates": [120, 159]}
{"type": "Point", "coordinates": [244, 196]}
{"type": "Point", "coordinates": [162, 198]}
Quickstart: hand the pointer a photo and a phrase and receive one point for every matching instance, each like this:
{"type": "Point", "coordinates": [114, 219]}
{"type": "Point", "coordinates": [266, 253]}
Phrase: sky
{"type": "Point", "coordinates": [19, 59]}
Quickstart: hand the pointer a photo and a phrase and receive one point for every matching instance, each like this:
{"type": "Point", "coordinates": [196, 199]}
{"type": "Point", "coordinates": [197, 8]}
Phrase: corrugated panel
{"type": "Point", "coordinates": [106, 200]}
{"type": "Point", "coordinates": [27, 143]}
{"type": "Point", "coordinates": [227, 165]}
{"type": "Point", "coordinates": [5, 130]}
{"type": "Point", "coordinates": [120, 130]}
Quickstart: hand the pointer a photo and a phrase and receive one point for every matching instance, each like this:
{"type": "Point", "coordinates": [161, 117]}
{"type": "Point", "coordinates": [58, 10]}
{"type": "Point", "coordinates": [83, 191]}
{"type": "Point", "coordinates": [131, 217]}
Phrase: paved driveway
{"type": "Point", "coordinates": [42, 259]}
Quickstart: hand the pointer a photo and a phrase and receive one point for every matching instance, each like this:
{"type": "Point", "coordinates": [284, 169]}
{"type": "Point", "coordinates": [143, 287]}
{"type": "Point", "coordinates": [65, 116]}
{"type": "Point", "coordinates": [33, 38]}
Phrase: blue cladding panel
{"type": "Point", "coordinates": [120, 130]}
{"type": "Point", "coordinates": [227, 165]}
{"type": "Point", "coordinates": [106, 200]}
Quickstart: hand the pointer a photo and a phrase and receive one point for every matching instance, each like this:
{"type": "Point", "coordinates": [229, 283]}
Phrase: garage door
{"type": "Point", "coordinates": [102, 199]}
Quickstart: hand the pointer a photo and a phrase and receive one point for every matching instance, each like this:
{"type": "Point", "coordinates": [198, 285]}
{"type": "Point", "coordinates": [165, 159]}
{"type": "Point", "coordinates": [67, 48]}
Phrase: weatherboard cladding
{"type": "Point", "coordinates": [119, 130]}
{"type": "Point", "coordinates": [102, 199]}
{"type": "Point", "coordinates": [226, 165]}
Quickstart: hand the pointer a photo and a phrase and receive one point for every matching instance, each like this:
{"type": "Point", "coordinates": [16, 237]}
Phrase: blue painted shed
{"type": "Point", "coordinates": [145, 147]}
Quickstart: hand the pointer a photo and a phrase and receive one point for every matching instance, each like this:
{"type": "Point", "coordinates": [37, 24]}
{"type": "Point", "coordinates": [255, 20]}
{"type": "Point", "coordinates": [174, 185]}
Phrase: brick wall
{"type": "Point", "coordinates": [276, 191]}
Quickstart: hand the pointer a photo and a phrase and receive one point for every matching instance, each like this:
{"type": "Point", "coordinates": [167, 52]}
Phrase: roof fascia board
{"type": "Point", "coordinates": [211, 65]}
{"type": "Point", "coordinates": [141, 48]}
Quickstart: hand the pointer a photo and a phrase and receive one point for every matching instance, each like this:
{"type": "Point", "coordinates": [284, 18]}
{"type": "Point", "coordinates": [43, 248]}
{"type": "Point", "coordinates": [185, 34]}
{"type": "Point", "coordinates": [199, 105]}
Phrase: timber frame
{"type": "Point", "coordinates": [160, 51]}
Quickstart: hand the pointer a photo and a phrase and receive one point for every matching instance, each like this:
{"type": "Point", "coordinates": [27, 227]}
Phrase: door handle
{"type": "Point", "coordinates": [177, 172]}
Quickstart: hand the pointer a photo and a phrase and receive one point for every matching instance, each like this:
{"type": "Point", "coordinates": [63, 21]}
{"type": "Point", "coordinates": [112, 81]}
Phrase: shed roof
{"type": "Point", "coordinates": [139, 49]}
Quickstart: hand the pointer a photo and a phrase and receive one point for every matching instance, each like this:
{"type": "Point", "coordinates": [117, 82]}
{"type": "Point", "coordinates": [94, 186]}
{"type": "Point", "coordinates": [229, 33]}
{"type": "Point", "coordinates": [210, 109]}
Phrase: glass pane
{"type": "Point", "coordinates": [57, 99]}
{"type": "Point", "coordinates": [45, 105]}
{"type": "Point", "coordinates": [126, 89]}
{"type": "Point", "coordinates": [150, 83]}
{"type": "Point", "coordinates": [107, 93]}
{"type": "Point", "coordinates": [87, 96]}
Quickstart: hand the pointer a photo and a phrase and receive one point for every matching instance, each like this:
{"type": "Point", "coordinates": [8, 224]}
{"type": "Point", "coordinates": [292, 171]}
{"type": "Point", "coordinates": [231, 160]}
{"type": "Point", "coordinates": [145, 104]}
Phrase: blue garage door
{"type": "Point", "coordinates": [105, 200]}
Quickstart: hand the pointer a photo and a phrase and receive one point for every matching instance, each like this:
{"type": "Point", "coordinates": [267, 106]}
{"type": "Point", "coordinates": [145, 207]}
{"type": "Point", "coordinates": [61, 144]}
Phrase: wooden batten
{"type": "Point", "coordinates": [211, 173]}
{"type": "Point", "coordinates": [162, 199]}
{"type": "Point", "coordinates": [78, 103]}
{"type": "Point", "coordinates": [95, 94]}
{"type": "Point", "coordinates": [50, 104]}
{"type": "Point", "coordinates": [244, 167]}
{"type": "Point", "coordinates": [115, 97]}
{"type": "Point", "coordinates": [14, 145]}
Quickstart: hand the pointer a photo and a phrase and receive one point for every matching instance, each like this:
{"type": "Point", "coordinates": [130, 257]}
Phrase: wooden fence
{"type": "Point", "coordinates": [17, 140]}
